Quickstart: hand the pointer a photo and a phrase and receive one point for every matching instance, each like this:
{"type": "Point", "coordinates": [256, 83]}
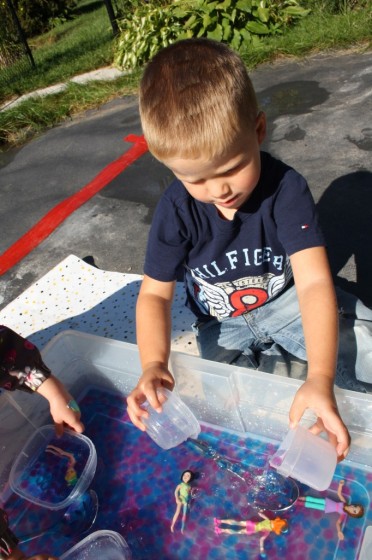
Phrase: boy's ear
{"type": "Point", "coordinates": [261, 127]}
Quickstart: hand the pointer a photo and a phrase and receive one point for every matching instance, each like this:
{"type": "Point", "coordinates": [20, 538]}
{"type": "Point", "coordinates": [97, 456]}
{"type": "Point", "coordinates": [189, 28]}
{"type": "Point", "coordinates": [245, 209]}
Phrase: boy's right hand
{"type": "Point", "coordinates": [155, 376]}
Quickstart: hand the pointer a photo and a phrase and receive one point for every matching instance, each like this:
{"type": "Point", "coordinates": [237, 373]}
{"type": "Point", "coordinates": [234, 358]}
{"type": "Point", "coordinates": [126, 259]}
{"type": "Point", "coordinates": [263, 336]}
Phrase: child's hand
{"type": "Point", "coordinates": [317, 394]}
{"type": "Point", "coordinates": [63, 407]}
{"type": "Point", "coordinates": [154, 376]}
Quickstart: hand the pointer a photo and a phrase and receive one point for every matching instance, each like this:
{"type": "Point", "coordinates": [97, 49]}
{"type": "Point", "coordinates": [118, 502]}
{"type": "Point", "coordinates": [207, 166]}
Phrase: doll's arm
{"type": "Point", "coordinates": [262, 544]}
{"type": "Point", "coordinates": [177, 494]}
{"type": "Point", "coordinates": [339, 491]}
{"type": "Point", "coordinates": [340, 534]}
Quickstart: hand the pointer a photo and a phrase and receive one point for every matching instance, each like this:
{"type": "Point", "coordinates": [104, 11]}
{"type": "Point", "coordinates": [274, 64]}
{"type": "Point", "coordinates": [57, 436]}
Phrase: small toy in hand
{"type": "Point", "coordinates": [183, 494]}
{"type": "Point", "coordinates": [327, 505]}
{"type": "Point", "coordinates": [71, 475]}
{"type": "Point", "coordinates": [248, 527]}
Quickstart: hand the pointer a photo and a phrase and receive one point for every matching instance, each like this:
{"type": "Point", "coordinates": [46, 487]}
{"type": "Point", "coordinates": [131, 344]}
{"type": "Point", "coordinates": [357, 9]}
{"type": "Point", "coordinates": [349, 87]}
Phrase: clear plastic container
{"type": "Point", "coordinates": [307, 458]}
{"type": "Point", "coordinates": [174, 424]}
{"type": "Point", "coordinates": [53, 471]}
{"type": "Point", "coordinates": [101, 545]}
{"type": "Point", "coordinates": [366, 548]}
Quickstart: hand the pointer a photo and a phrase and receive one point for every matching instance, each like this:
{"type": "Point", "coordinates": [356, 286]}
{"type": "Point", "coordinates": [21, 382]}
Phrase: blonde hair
{"type": "Point", "coordinates": [196, 98]}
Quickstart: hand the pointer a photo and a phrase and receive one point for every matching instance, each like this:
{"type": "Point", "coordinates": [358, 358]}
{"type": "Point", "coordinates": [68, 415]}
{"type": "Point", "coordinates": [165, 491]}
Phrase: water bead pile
{"type": "Point", "coordinates": [271, 491]}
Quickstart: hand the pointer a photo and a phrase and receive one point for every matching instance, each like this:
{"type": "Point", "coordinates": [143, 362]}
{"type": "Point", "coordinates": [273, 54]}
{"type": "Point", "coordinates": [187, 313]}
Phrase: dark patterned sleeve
{"type": "Point", "coordinates": [21, 366]}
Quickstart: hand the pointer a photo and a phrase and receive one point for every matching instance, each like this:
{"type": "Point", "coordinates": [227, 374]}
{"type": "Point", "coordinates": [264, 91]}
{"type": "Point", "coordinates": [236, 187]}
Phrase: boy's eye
{"type": "Point", "coordinates": [197, 182]}
{"type": "Point", "coordinates": [233, 170]}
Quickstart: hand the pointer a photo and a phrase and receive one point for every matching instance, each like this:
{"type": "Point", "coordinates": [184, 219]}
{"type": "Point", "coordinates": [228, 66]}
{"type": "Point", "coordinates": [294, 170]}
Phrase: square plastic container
{"type": "Point", "coordinates": [53, 471]}
{"type": "Point", "coordinates": [101, 545]}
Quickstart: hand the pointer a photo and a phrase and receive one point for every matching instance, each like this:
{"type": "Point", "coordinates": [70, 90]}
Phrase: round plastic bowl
{"type": "Point", "coordinates": [53, 471]}
{"type": "Point", "coordinates": [174, 424]}
{"type": "Point", "coordinates": [101, 545]}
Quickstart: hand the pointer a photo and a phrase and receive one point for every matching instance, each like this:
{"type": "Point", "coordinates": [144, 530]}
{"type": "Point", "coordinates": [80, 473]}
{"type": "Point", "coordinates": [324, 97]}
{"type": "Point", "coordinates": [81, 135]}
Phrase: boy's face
{"type": "Point", "coordinates": [227, 181]}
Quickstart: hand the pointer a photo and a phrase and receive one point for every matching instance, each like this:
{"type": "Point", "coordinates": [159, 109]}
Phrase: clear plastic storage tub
{"type": "Point", "coordinates": [228, 397]}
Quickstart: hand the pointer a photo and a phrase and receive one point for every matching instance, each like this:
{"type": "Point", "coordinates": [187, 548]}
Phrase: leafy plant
{"type": "Point", "coordinates": [151, 27]}
{"type": "Point", "coordinates": [146, 31]}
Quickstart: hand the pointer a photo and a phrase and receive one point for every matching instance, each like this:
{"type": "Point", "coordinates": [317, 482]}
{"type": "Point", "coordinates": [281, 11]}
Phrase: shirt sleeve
{"type": "Point", "coordinates": [295, 215]}
{"type": "Point", "coordinates": [168, 242]}
{"type": "Point", "coordinates": [21, 366]}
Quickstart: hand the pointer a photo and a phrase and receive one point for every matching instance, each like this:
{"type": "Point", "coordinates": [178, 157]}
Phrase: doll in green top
{"type": "Point", "coordinates": [183, 494]}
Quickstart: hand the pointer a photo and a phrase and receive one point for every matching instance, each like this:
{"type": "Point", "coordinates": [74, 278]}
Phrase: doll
{"type": "Point", "coordinates": [248, 527]}
{"type": "Point", "coordinates": [327, 505]}
{"type": "Point", "coordinates": [183, 494]}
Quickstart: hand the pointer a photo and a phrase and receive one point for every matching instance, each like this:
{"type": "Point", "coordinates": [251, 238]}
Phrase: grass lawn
{"type": "Point", "coordinates": [79, 45]}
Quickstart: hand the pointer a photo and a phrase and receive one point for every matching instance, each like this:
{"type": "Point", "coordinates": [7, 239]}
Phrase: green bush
{"type": "Point", "coordinates": [153, 25]}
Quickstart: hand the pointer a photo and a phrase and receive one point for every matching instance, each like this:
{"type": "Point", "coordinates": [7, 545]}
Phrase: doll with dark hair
{"type": "Point", "coordinates": [183, 494]}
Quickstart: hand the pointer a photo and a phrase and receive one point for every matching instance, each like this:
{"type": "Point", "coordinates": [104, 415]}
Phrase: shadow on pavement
{"type": "Point", "coordinates": [345, 212]}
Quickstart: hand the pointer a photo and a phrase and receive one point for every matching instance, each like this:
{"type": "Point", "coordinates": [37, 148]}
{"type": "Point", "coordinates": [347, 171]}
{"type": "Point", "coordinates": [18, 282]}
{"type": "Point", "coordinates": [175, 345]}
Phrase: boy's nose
{"type": "Point", "coordinates": [219, 189]}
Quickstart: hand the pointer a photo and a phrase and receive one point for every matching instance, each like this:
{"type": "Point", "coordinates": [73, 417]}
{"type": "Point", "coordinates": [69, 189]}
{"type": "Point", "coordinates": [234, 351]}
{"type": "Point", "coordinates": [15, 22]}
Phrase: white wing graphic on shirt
{"type": "Point", "coordinates": [277, 283]}
{"type": "Point", "coordinates": [213, 298]}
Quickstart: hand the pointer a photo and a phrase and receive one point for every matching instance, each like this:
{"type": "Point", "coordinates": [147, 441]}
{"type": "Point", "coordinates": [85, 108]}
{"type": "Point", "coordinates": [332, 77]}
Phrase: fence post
{"type": "Point", "coordinates": [111, 14]}
{"type": "Point", "coordinates": [21, 33]}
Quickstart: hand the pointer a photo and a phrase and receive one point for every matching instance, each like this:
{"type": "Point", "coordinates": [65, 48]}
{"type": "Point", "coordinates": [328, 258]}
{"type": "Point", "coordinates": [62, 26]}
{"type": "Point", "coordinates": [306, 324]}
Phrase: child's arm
{"type": "Point", "coordinates": [9, 543]}
{"type": "Point", "coordinates": [319, 314]}
{"type": "Point", "coordinates": [21, 367]}
{"type": "Point", "coordinates": [60, 402]}
{"type": "Point", "coordinates": [153, 321]}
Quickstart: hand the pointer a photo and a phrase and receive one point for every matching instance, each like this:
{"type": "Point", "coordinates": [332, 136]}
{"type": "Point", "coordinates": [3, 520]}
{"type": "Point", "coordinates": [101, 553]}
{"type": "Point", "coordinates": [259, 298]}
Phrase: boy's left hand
{"type": "Point", "coordinates": [317, 394]}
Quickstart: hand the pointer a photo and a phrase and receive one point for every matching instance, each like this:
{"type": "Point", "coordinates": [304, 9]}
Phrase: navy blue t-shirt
{"type": "Point", "coordinates": [233, 266]}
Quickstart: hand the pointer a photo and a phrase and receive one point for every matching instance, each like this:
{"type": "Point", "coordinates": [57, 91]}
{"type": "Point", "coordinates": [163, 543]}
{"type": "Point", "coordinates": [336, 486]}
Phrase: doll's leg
{"type": "Point", "coordinates": [231, 522]}
{"type": "Point", "coordinates": [175, 517]}
{"type": "Point", "coordinates": [312, 502]}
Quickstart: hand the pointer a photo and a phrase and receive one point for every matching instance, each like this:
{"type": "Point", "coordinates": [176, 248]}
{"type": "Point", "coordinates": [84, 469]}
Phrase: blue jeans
{"type": "Point", "coordinates": [269, 337]}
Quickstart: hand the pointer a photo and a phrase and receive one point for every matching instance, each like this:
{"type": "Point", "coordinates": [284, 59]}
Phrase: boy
{"type": "Point", "coordinates": [241, 225]}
